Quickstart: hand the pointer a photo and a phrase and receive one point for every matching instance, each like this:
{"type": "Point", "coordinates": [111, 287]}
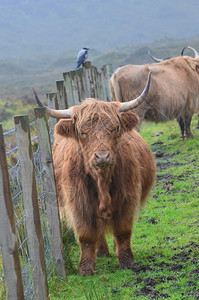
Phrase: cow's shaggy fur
{"type": "Point", "coordinates": [95, 199]}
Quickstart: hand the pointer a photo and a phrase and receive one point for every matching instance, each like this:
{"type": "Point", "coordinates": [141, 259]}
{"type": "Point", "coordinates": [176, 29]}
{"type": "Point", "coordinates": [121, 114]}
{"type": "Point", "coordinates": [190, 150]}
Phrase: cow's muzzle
{"type": "Point", "coordinates": [102, 159]}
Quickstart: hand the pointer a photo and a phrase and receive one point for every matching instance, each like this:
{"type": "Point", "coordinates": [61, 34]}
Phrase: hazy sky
{"type": "Point", "coordinates": [32, 27]}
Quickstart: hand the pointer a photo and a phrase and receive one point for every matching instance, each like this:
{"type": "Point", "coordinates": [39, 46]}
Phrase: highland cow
{"type": "Point", "coordinates": [104, 172]}
{"type": "Point", "coordinates": [173, 94]}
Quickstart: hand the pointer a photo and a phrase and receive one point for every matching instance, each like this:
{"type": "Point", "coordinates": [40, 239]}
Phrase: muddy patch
{"type": "Point", "coordinates": [148, 286]}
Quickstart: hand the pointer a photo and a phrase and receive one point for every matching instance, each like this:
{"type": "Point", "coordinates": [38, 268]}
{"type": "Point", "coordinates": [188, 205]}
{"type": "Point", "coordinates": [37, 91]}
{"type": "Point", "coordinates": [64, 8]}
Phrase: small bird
{"type": "Point", "coordinates": [81, 57]}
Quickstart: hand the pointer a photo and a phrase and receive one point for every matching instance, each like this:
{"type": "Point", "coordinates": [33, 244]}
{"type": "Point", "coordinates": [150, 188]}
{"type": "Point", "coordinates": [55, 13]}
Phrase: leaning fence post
{"type": "Point", "coordinates": [8, 239]}
{"type": "Point", "coordinates": [35, 243]}
{"type": "Point", "coordinates": [50, 191]}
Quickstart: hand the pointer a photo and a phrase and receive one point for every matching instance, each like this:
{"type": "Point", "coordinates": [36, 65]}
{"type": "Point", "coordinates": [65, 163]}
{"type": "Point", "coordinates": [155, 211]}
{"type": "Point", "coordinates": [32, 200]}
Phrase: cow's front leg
{"type": "Point", "coordinates": [188, 128]}
{"type": "Point", "coordinates": [182, 127]}
{"type": "Point", "coordinates": [88, 256]}
{"type": "Point", "coordinates": [123, 249]}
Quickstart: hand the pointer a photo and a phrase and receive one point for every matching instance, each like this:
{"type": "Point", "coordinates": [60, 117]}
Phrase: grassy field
{"type": "Point", "coordinates": [165, 239]}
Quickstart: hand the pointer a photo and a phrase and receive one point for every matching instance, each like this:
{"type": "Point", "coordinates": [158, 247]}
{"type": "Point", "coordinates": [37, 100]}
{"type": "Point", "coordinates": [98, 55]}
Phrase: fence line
{"type": "Point", "coordinates": [21, 219]}
{"type": "Point", "coordinates": [49, 182]}
{"type": "Point", "coordinates": [87, 82]}
{"type": "Point", "coordinates": [8, 239]}
{"type": "Point", "coordinates": [31, 207]}
{"type": "Point", "coordinates": [31, 177]}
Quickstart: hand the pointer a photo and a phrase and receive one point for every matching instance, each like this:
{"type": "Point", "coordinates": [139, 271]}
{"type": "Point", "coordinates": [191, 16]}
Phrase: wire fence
{"type": "Point", "coordinates": [14, 171]}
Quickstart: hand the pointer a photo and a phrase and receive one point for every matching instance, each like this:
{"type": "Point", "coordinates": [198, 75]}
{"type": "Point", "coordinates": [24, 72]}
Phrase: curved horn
{"type": "Point", "coordinates": [182, 52]}
{"type": "Point", "coordinates": [136, 102]}
{"type": "Point", "coordinates": [195, 52]}
{"type": "Point", "coordinates": [54, 113]}
{"type": "Point", "coordinates": [154, 58]}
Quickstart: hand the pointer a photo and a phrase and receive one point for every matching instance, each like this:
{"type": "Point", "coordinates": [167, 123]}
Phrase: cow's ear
{"type": "Point", "coordinates": [193, 64]}
{"type": "Point", "coordinates": [65, 127]}
{"type": "Point", "coordinates": [129, 120]}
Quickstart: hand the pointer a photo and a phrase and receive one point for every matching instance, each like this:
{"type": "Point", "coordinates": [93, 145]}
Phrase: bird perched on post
{"type": "Point", "coordinates": [81, 57]}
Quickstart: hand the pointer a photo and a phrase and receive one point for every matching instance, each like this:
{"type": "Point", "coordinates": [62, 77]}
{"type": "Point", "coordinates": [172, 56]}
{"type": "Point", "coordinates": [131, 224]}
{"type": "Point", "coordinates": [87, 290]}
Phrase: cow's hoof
{"type": "Point", "coordinates": [86, 267]}
{"type": "Point", "coordinates": [126, 260]}
{"type": "Point", "coordinates": [85, 272]}
{"type": "Point", "coordinates": [127, 265]}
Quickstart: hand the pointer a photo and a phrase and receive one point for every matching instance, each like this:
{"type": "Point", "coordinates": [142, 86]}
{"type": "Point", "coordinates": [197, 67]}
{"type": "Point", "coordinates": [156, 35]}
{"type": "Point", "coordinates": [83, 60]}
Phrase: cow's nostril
{"type": "Point", "coordinates": [97, 156]}
{"type": "Point", "coordinates": [102, 159]}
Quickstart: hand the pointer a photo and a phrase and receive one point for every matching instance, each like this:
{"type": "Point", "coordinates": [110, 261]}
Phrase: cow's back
{"type": "Point", "coordinates": [173, 89]}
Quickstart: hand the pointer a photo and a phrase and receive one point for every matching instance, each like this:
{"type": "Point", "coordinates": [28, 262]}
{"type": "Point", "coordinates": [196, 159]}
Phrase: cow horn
{"type": "Point", "coordinates": [136, 102]}
{"type": "Point", "coordinates": [195, 52]}
{"type": "Point", "coordinates": [182, 52]}
{"type": "Point", "coordinates": [155, 58]}
{"type": "Point", "coordinates": [54, 113]}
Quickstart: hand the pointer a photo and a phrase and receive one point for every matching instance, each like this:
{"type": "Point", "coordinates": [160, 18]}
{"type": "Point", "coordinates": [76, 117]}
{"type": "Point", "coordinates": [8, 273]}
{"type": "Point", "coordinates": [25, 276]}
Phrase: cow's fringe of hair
{"type": "Point", "coordinates": [104, 112]}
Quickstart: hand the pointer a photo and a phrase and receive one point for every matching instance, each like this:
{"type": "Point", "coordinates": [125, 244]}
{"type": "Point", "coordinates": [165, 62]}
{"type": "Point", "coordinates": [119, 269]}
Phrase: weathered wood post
{"type": "Point", "coordinates": [95, 73]}
{"type": "Point", "coordinates": [35, 243]}
{"type": "Point", "coordinates": [81, 84]}
{"type": "Point", "coordinates": [89, 83]}
{"type": "Point", "coordinates": [107, 71]}
{"type": "Point", "coordinates": [61, 94]}
{"type": "Point", "coordinates": [8, 239]}
{"type": "Point", "coordinates": [52, 103]}
{"type": "Point", "coordinates": [101, 93]}
{"type": "Point", "coordinates": [69, 89]}
{"type": "Point", "coordinates": [75, 90]}
{"type": "Point", "coordinates": [50, 191]}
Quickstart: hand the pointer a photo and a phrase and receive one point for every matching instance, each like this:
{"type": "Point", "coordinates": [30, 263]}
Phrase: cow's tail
{"type": "Point", "coordinates": [115, 89]}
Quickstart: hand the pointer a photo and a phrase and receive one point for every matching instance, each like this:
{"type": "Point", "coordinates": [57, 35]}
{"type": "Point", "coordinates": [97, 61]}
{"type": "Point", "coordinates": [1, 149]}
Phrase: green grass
{"type": "Point", "coordinates": [9, 109]}
{"type": "Point", "coordinates": [165, 239]}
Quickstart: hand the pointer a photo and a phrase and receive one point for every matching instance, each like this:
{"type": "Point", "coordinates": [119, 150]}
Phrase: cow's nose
{"type": "Point", "coordinates": [102, 159]}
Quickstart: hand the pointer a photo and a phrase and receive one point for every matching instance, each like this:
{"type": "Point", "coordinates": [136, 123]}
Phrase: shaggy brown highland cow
{"type": "Point", "coordinates": [104, 172]}
{"type": "Point", "coordinates": [173, 94]}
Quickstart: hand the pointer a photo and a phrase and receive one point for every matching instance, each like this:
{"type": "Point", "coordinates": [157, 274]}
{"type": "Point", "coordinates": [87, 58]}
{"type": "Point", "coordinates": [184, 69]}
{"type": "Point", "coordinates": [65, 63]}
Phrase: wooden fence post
{"type": "Point", "coordinates": [69, 89]}
{"type": "Point", "coordinates": [8, 239]}
{"type": "Point", "coordinates": [95, 74]}
{"type": "Point", "coordinates": [81, 84]}
{"type": "Point", "coordinates": [50, 191]}
{"type": "Point", "coordinates": [90, 88]}
{"type": "Point", "coordinates": [75, 90]}
{"type": "Point", "coordinates": [106, 75]}
{"type": "Point", "coordinates": [35, 243]}
{"type": "Point", "coordinates": [61, 94]}
{"type": "Point", "coordinates": [52, 103]}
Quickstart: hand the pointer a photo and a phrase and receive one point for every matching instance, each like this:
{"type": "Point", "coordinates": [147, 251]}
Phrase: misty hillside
{"type": "Point", "coordinates": [17, 75]}
{"type": "Point", "coordinates": [47, 27]}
